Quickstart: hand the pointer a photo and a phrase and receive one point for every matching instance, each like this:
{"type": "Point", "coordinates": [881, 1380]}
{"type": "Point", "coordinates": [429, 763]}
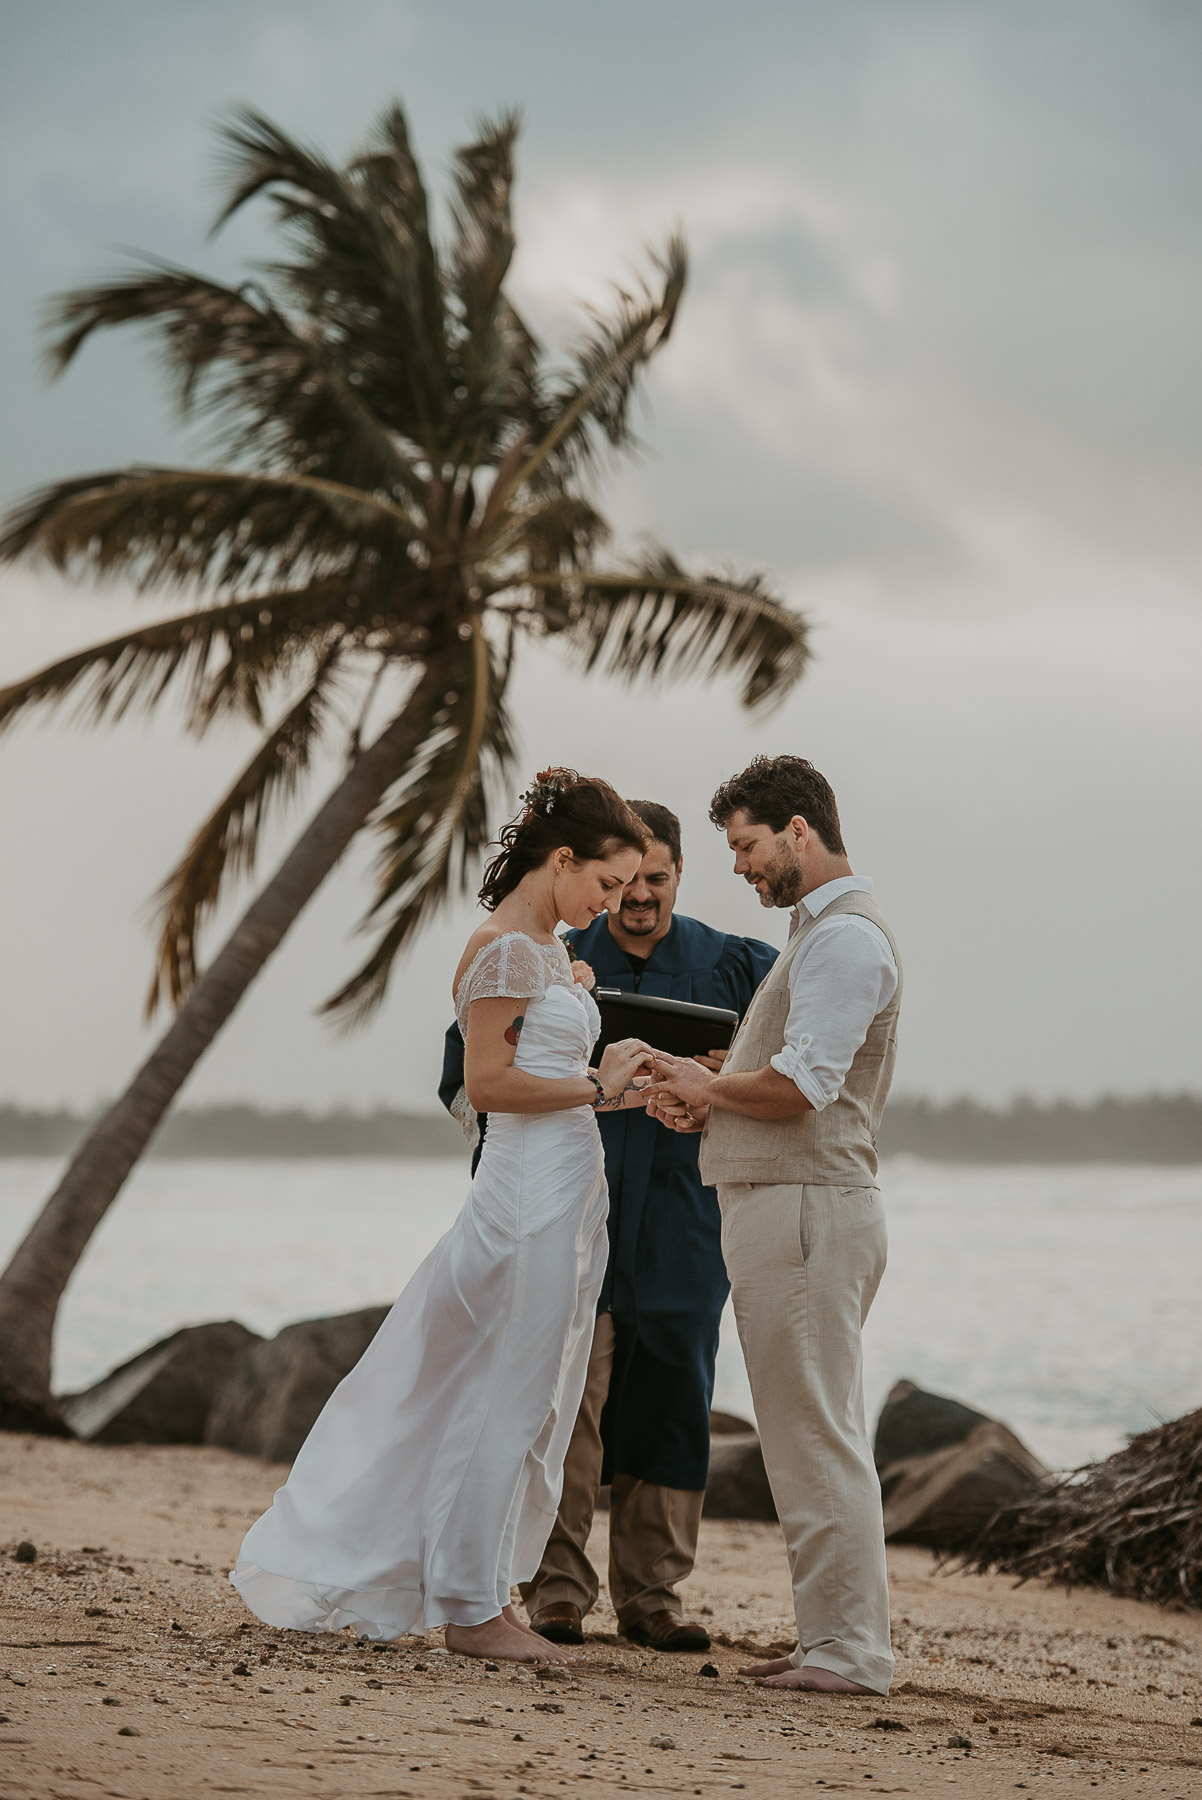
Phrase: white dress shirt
{"type": "Point", "coordinates": [839, 980]}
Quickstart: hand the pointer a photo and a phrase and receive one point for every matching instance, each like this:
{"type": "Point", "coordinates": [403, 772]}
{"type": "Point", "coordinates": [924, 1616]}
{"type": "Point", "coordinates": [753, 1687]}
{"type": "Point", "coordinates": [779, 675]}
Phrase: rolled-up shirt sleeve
{"type": "Point", "coordinates": [840, 979]}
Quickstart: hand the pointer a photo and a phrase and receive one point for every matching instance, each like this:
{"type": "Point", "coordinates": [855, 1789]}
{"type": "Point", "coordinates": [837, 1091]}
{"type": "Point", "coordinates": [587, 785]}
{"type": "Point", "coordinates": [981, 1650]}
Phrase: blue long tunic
{"type": "Point", "coordinates": [666, 1282]}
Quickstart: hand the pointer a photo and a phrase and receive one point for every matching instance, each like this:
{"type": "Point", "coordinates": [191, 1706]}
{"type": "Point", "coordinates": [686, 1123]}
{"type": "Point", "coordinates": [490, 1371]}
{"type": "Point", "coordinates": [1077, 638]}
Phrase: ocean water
{"type": "Point", "coordinates": [1062, 1300]}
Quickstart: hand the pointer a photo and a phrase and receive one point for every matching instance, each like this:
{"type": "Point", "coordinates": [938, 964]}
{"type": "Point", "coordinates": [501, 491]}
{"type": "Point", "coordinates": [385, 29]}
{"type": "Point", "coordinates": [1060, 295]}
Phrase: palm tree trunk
{"type": "Point", "coordinates": [32, 1285]}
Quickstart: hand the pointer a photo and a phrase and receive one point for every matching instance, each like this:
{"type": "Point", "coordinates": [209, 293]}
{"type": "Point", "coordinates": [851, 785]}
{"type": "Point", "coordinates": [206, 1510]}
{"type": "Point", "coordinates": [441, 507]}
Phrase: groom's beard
{"type": "Point", "coordinates": [782, 881]}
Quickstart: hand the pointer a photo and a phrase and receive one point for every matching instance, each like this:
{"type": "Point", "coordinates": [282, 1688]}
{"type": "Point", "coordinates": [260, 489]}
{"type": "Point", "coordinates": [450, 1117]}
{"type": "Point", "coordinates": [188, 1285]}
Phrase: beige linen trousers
{"type": "Point", "coordinates": [805, 1264]}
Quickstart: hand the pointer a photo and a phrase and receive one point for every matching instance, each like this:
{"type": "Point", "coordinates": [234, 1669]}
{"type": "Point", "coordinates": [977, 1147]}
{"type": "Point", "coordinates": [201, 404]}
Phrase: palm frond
{"type": "Point", "coordinates": [394, 185]}
{"type": "Point", "coordinates": [436, 822]}
{"type": "Point", "coordinates": [225, 847]}
{"type": "Point", "coordinates": [496, 358]}
{"type": "Point", "coordinates": [280, 391]}
{"type": "Point", "coordinates": [131, 673]}
{"type": "Point", "coordinates": [662, 622]}
{"type": "Point", "coordinates": [480, 208]}
{"type": "Point", "coordinates": [609, 364]}
{"type": "Point", "coordinates": [366, 273]}
{"type": "Point", "coordinates": [219, 527]}
{"type": "Point", "coordinates": [558, 531]}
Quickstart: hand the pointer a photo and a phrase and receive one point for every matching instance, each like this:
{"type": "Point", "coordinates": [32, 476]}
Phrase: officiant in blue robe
{"type": "Point", "coordinates": [643, 1427]}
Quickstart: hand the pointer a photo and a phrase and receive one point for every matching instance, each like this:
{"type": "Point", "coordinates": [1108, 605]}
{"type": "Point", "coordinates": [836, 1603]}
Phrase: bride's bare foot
{"type": "Point", "coordinates": [781, 1673]}
{"type": "Point", "coordinates": [545, 1645]}
{"type": "Point", "coordinates": [508, 1613]}
{"type": "Point", "coordinates": [508, 1642]}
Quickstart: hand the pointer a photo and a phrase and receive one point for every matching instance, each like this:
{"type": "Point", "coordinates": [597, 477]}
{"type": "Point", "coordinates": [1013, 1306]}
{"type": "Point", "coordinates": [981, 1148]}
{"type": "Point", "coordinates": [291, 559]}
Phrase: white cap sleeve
{"type": "Point", "coordinates": [511, 967]}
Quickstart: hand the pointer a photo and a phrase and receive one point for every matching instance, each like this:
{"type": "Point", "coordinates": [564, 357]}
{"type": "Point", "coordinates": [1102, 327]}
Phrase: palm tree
{"type": "Point", "coordinates": [399, 499]}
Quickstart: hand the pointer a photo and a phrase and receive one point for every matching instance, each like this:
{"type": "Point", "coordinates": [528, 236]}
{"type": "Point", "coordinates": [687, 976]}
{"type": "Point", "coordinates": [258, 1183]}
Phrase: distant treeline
{"type": "Point", "coordinates": [249, 1131]}
{"type": "Point", "coordinates": [1160, 1128]}
{"type": "Point", "coordinates": [1157, 1129]}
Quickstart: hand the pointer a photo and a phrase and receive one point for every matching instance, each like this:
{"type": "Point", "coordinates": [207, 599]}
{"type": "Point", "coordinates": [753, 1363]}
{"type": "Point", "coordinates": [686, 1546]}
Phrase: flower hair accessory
{"type": "Point", "coordinates": [546, 788]}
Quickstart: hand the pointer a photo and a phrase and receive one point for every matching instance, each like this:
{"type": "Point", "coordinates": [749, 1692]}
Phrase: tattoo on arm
{"type": "Point", "coordinates": [513, 1032]}
{"type": "Point", "coordinates": [616, 1101]}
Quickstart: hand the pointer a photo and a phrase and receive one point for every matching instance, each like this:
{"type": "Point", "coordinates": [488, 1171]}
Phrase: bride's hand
{"type": "Point", "coordinates": [621, 1062]}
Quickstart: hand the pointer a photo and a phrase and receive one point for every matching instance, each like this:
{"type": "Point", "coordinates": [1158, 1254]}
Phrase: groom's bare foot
{"type": "Point", "coordinates": [781, 1673]}
{"type": "Point", "coordinates": [504, 1641]}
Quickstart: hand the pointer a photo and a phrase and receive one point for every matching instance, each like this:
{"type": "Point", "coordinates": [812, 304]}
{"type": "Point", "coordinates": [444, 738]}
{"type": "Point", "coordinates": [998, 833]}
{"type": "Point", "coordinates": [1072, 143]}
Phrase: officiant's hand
{"type": "Point", "coordinates": [682, 1078]}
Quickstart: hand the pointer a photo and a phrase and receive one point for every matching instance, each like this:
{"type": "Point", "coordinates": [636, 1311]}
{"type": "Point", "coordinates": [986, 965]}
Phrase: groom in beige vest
{"type": "Point", "coordinates": [789, 1141]}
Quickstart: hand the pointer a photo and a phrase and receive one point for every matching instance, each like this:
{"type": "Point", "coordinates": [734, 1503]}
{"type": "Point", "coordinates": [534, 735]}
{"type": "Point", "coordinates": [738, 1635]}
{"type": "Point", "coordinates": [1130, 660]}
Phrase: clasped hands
{"type": "Point", "coordinates": [678, 1094]}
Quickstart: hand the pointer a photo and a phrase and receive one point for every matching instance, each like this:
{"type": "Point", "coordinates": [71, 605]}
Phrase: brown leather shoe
{"type": "Point", "coordinates": [559, 1624]}
{"type": "Point", "coordinates": [667, 1631]}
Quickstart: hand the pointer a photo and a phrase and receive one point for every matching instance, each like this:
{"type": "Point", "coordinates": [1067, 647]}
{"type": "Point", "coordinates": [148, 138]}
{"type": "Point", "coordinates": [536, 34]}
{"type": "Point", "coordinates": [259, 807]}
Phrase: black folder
{"type": "Point", "coordinates": [677, 1027]}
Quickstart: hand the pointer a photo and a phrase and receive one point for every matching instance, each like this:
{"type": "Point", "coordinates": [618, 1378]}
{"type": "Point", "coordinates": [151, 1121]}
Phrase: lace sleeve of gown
{"type": "Point", "coordinates": [511, 967]}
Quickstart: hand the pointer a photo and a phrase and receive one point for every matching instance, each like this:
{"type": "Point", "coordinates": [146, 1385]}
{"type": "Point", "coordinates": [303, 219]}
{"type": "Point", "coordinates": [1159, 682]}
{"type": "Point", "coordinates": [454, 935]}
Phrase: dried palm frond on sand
{"type": "Point", "coordinates": [1132, 1524]}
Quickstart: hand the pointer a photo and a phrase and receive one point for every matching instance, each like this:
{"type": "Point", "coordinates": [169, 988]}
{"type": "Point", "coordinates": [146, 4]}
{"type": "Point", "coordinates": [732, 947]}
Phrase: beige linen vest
{"type": "Point", "coordinates": [832, 1148]}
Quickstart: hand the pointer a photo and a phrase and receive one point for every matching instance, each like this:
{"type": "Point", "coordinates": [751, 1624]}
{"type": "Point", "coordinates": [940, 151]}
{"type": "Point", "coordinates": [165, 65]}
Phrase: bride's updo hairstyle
{"type": "Point", "coordinates": [562, 809]}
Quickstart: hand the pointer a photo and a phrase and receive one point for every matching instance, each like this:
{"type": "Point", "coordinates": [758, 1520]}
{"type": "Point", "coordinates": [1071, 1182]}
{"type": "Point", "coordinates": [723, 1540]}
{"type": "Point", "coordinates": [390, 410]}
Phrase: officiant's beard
{"type": "Point", "coordinates": [641, 920]}
{"type": "Point", "coordinates": [782, 881]}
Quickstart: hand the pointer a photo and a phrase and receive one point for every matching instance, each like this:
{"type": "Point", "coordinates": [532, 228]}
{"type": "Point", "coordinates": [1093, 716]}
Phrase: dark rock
{"type": "Point", "coordinates": [959, 1743]}
{"type": "Point", "coordinates": [724, 1424]}
{"type": "Point", "coordinates": [888, 1725]}
{"type": "Point", "coordinates": [915, 1423]}
{"type": "Point", "coordinates": [274, 1392]}
{"type": "Point", "coordinates": [708, 1669]}
{"type": "Point", "coordinates": [163, 1395]}
{"type": "Point", "coordinates": [18, 1413]}
{"type": "Point", "coordinates": [738, 1484]}
{"type": "Point", "coordinates": [110, 1700]}
{"type": "Point", "coordinates": [25, 1552]}
{"type": "Point", "coordinates": [947, 1498]}
{"type": "Point", "coordinates": [129, 1731]}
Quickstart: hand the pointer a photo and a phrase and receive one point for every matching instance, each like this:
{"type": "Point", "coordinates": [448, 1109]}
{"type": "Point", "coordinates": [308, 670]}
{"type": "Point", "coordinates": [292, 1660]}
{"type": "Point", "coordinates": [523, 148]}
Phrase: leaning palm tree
{"type": "Point", "coordinates": [399, 499]}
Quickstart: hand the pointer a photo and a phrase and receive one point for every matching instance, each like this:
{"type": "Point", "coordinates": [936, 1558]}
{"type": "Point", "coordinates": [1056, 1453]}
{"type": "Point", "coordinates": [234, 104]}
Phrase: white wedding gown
{"type": "Point", "coordinates": [429, 1484]}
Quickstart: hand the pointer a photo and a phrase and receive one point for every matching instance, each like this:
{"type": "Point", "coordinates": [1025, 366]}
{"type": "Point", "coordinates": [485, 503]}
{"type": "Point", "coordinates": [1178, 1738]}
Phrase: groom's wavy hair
{"type": "Point", "coordinates": [771, 790]}
{"type": "Point", "coordinates": [581, 812]}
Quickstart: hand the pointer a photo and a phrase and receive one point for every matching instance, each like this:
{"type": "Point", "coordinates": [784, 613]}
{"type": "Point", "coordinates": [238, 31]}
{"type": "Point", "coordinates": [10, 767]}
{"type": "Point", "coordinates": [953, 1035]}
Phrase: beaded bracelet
{"type": "Point", "coordinates": [601, 1094]}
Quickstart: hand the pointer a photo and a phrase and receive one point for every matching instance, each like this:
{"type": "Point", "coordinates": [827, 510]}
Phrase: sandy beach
{"type": "Point", "coordinates": [129, 1668]}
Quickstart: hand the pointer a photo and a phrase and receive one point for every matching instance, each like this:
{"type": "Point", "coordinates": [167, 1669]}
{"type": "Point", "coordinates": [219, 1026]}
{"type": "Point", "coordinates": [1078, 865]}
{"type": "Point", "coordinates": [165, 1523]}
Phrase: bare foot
{"type": "Point", "coordinates": [780, 1673]}
{"type": "Point", "coordinates": [511, 1617]}
{"type": "Point", "coordinates": [777, 1666]}
{"type": "Point", "coordinates": [504, 1641]}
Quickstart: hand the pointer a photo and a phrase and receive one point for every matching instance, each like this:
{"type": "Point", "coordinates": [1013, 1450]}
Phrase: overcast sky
{"type": "Point", "coordinates": [938, 372]}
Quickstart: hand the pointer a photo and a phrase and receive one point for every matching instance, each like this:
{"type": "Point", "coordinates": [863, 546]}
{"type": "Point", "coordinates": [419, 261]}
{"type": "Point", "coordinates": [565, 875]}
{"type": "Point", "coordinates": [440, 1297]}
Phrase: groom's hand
{"type": "Point", "coordinates": [713, 1060]}
{"type": "Point", "coordinates": [683, 1079]}
{"type": "Point", "coordinates": [674, 1113]}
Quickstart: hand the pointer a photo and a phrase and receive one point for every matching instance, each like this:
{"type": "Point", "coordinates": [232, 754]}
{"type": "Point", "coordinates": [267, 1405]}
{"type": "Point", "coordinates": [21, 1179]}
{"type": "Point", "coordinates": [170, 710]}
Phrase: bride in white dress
{"type": "Point", "coordinates": [429, 1484]}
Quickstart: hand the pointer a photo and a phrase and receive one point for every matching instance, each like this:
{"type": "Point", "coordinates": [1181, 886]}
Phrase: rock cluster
{"type": "Point", "coordinates": [222, 1384]}
{"type": "Point", "coordinates": [945, 1468]}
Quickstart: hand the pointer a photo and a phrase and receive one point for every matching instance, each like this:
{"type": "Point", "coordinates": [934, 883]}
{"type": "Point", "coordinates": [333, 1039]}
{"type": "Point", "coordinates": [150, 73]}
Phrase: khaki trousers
{"type": "Point", "coordinates": [805, 1264]}
{"type": "Point", "coordinates": [652, 1529]}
